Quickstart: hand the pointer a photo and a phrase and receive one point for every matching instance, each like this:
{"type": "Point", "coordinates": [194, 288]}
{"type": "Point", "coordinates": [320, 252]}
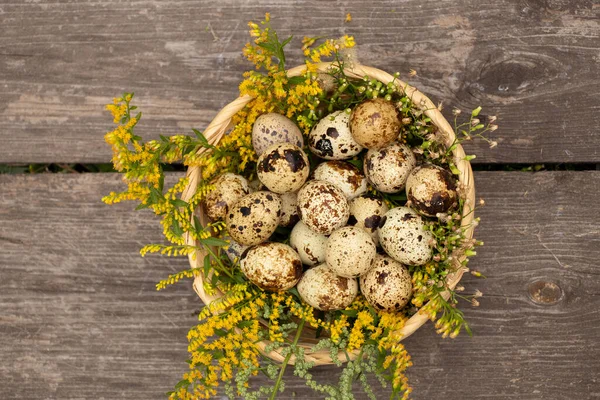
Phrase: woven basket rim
{"type": "Point", "coordinates": [222, 123]}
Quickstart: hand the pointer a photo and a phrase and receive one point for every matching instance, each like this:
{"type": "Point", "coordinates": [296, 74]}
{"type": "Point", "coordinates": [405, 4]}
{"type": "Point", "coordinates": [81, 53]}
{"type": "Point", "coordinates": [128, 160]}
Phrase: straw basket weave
{"type": "Point", "coordinates": [222, 123]}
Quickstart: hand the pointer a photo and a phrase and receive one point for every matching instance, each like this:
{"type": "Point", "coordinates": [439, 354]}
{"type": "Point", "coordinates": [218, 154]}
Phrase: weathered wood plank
{"type": "Point", "coordinates": [533, 63]}
{"type": "Point", "coordinates": [80, 318]}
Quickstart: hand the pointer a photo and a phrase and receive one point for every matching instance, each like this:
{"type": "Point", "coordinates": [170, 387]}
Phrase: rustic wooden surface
{"type": "Point", "coordinates": [80, 319]}
{"type": "Point", "coordinates": [79, 316]}
{"type": "Point", "coordinates": [534, 63]}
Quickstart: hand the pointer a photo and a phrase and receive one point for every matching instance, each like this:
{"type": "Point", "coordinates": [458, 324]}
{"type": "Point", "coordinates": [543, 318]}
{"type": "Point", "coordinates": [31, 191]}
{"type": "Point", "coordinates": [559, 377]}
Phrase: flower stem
{"type": "Point", "coordinates": [285, 362]}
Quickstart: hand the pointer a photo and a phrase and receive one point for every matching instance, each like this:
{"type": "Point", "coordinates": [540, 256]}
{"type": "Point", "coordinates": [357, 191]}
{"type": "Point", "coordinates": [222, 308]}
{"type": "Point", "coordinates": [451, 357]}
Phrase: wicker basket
{"type": "Point", "coordinates": [222, 123]}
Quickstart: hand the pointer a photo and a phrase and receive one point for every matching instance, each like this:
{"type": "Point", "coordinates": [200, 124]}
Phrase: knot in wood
{"type": "Point", "coordinates": [544, 292]}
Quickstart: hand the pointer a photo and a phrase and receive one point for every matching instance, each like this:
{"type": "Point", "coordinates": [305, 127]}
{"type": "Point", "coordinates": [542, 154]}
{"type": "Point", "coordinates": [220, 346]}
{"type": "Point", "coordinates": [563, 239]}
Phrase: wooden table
{"type": "Point", "coordinates": [79, 314]}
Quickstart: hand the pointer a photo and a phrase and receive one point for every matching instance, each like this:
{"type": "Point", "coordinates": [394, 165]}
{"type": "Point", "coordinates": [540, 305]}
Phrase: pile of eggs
{"type": "Point", "coordinates": [344, 239]}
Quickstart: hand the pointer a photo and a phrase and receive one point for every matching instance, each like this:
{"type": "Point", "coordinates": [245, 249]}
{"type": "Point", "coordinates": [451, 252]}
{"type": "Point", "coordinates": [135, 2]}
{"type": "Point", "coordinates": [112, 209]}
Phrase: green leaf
{"type": "Point", "coordinates": [161, 182]}
{"type": "Point", "coordinates": [268, 46]}
{"type": "Point", "coordinates": [211, 241]}
{"type": "Point", "coordinates": [220, 332]}
{"type": "Point", "coordinates": [179, 203]}
{"type": "Point", "coordinates": [245, 324]}
{"type": "Point", "coordinates": [197, 224]}
{"type": "Point", "coordinates": [350, 313]}
{"type": "Point", "coordinates": [138, 116]}
{"type": "Point", "coordinates": [176, 228]}
{"type": "Point", "coordinates": [206, 267]}
{"type": "Point", "coordinates": [182, 383]}
{"type": "Point", "coordinates": [286, 41]}
{"type": "Point", "coordinates": [142, 206]}
{"type": "Point", "coordinates": [296, 80]}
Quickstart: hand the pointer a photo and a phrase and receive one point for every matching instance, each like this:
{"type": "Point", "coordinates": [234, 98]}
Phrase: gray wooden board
{"type": "Point", "coordinates": [80, 318]}
{"type": "Point", "coordinates": [534, 63]}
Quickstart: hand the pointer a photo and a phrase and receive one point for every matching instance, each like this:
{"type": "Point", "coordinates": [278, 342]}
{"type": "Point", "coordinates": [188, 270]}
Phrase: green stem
{"type": "Point", "coordinates": [285, 362]}
{"type": "Point", "coordinates": [218, 260]}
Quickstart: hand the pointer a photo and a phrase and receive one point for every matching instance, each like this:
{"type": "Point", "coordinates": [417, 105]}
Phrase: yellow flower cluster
{"type": "Point", "coordinates": [326, 49]}
{"type": "Point", "coordinates": [174, 278]}
{"type": "Point", "coordinates": [237, 331]}
{"type": "Point", "coordinates": [364, 322]}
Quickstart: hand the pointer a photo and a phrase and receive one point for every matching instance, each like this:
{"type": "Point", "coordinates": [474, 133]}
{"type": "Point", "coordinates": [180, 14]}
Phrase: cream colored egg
{"type": "Point", "coordinates": [403, 236]}
{"type": "Point", "coordinates": [273, 128]}
{"type": "Point", "coordinates": [431, 190]}
{"type": "Point", "coordinates": [272, 266]}
{"type": "Point", "coordinates": [254, 218]}
{"type": "Point", "coordinates": [350, 251]}
{"type": "Point", "coordinates": [322, 207]}
{"type": "Point", "coordinates": [375, 123]}
{"type": "Point", "coordinates": [310, 245]}
{"type": "Point", "coordinates": [234, 250]}
{"type": "Point", "coordinates": [387, 286]}
{"type": "Point", "coordinates": [366, 212]}
{"type": "Point", "coordinates": [321, 288]}
{"type": "Point", "coordinates": [289, 209]}
{"type": "Point", "coordinates": [228, 189]}
{"type": "Point", "coordinates": [343, 175]}
{"type": "Point", "coordinates": [283, 168]}
{"type": "Point", "coordinates": [387, 169]}
{"type": "Point", "coordinates": [331, 138]}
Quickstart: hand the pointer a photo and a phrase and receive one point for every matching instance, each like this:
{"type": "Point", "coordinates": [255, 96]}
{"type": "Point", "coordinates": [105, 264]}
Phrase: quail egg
{"type": "Point", "coordinates": [431, 190]}
{"type": "Point", "coordinates": [273, 128]}
{"type": "Point", "coordinates": [322, 207]}
{"type": "Point", "coordinates": [310, 245]}
{"type": "Point", "coordinates": [331, 138]}
{"type": "Point", "coordinates": [366, 211]}
{"type": "Point", "coordinates": [228, 189]}
{"type": "Point", "coordinates": [375, 124]}
{"type": "Point", "coordinates": [272, 266]}
{"type": "Point", "coordinates": [343, 175]}
{"type": "Point", "coordinates": [234, 250]}
{"type": "Point", "coordinates": [403, 236]}
{"type": "Point", "coordinates": [289, 209]}
{"type": "Point", "coordinates": [387, 168]}
{"type": "Point", "coordinates": [350, 251]}
{"type": "Point", "coordinates": [321, 288]}
{"type": "Point", "coordinates": [283, 168]}
{"type": "Point", "coordinates": [387, 286]}
{"type": "Point", "coordinates": [254, 218]}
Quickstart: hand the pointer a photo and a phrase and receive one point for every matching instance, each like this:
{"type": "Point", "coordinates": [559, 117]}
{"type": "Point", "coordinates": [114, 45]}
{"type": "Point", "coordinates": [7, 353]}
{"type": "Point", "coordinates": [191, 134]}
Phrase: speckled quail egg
{"type": "Point", "coordinates": [431, 190]}
{"type": "Point", "coordinates": [343, 175]}
{"type": "Point", "coordinates": [254, 218]}
{"type": "Point", "coordinates": [375, 123]}
{"type": "Point", "coordinates": [387, 286]}
{"type": "Point", "coordinates": [322, 207]}
{"type": "Point", "coordinates": [283, 168]}
{"type": "Point", "coordinates": [229, 188]}
{"type": "Point", "coordinates": [387, 168]}
{"type": "Point", "coordinates": [350, 251]}
{"type": "Point", "coordinates": [366, 211]}
{"type": "Point", "coordinates": [331, 138]}
{"type": "Point", "coordinates": [289, 209]}
{"type": "Point", "coordinates": [310, 245]}
{"type": "Point", "coordinates": [321, 288]}
{"type": "Point", "coordinates": [272, 266]}
{"type": "Point", "coordinates": [234, 250]}
{"type": "Point", "coordinates": [403, 236]}
{"type": "Point", "coordinates": [273, 128]}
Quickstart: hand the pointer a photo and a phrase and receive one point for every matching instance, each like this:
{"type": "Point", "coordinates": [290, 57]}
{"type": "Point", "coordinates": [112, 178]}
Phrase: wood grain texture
{"type": "Point", "coordinates": [531, 62]}
{"type": "Point", "coordinates": [80, 319]}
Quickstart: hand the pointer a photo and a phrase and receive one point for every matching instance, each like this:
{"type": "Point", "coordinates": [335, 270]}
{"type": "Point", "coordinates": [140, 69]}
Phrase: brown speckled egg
{"type": "Point", "coordinates": [343, 175]}
{"type": "Point", "coordinates": [403, 236]}
{"type": "Point", "coordinates": [283, 168]}
{"type": "Point", "coordinates": [229, 189]}
{"type": "Point", "coordinates": [331, 138]}
{"type": "Point", "coordinates": [235, 250]}
{"type": "Point", "coordinates": [350, 251]}
{"type": "Point", "coordinates": [310, 245]}
{"type": "Point", "coordinates": [431, 190]}
{"type": "Point", "coordinates": [366, 211]}
{"type": "Point", "coordinates": [387, 286]}
{"type": "Point", "coordinates": [254, 218]}
{"type": "Point", "coordinates": [289, 209]}
{"type": "Point", "coordinates": [273, 128]}
{"type": "Point", "coordinates": [321, 288]}
{"type": "Point", "coordinates": [272, 266]}
{"type": "Point", "coordinates": [375, 123]}
{"type": "Point", "coordinates": [322, 207]}
{"type": "Point", "coordinates": [387, 168]}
